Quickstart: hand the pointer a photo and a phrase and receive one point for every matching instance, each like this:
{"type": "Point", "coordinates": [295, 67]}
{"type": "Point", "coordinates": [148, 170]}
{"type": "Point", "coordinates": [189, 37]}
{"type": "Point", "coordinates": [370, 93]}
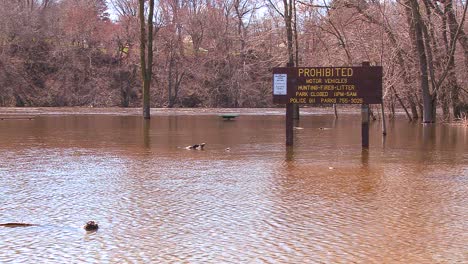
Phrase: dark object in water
{"type": "Point", "coordinates": [197, 146]}
{"type": "Point", "coordinates": [91, 226]}
{"type": "Point", "coordinates": [17, 117]}
{"type": "Point", "coordinates": [17, 225]}
{"type": "Point", "coordinates": [229, 116]}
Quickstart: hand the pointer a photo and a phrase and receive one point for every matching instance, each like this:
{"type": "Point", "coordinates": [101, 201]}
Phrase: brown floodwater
{"type": "Point", "coordinates": [323, 201]}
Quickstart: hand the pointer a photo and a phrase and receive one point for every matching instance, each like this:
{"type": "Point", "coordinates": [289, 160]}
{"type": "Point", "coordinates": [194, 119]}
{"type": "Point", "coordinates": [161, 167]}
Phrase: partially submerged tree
{"type": "Point", "coordinates": [146, 53]}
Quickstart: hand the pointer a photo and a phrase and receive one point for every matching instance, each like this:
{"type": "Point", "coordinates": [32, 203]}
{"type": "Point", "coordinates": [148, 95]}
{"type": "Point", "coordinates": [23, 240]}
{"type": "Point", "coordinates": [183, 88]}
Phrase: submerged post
{"type": "Point", "coordinates": [365, 119]}
{"type": "Point", "coordinates": [365, 125]}
{"type": "Point", "coordinates": [384, 126]}
{"type": "Point", "coordinates": [290, 115]}
{"type": "Point", "coordinates": [289, 124]}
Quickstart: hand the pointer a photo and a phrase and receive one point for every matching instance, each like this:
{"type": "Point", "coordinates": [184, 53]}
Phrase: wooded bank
{"type": "Point", "coordinates": [220, 53]}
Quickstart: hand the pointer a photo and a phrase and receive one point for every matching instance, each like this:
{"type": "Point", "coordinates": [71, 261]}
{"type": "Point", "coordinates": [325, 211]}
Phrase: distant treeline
{"type": "Point", "coordinates": [220, 53]}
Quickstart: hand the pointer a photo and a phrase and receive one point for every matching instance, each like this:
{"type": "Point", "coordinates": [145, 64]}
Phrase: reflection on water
{"type": "Point", "coordinates": [323, 201]}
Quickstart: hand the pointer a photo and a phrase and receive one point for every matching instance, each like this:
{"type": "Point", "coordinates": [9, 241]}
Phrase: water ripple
{"type": "Point", "coordinates": [156, 202]}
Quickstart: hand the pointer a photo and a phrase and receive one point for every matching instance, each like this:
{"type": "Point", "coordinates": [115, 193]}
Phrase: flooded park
{"type": "Point", "coordinates": [244, 198]}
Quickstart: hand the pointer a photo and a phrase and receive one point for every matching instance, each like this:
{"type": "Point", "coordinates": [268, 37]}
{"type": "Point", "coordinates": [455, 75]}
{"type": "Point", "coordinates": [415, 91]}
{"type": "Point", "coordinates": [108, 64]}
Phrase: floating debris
{"type": "Point", "coordinates": [17, 117]}
{"type": "Point", "coordinates": [17, 225]}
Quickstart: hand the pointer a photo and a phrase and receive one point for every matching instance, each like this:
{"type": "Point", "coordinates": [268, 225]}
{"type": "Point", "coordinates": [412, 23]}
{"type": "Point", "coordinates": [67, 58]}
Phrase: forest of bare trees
{"type": "Point", "coordinates": [219, 53]}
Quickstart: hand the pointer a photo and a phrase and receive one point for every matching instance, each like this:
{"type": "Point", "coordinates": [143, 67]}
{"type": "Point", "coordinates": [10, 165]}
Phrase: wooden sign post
{"type": "Point", "coordinates": [289, 117]}
{"type": "Point", "coordinates": [365, 125]}
{"type": "Point", "coordinates": [289, 124]}
{"type": "Point", "coordinates": [327, 85]}
{"type": "Point", "coordinates": [365, 114]}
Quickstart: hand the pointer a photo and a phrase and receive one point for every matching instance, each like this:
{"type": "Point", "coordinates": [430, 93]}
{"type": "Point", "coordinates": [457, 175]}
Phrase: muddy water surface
{"type": "Point", "coordinates": [325, 201]}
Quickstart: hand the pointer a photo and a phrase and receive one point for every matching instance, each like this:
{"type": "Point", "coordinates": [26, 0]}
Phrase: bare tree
{"type": "Point", "coordinates": [146, 53]}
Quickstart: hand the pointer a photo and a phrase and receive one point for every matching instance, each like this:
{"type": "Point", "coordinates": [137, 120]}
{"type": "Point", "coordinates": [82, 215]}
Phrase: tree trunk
{"type": "Point", "coordinates": [427, 97]}
{"type": "Point", "coordinates": [401, 103]}
{"type": "Point", "coordinates": [290, 30]}
{"type": "Point", "coordinates": [288, 8]}
{"type": "Point", "coordinates": [170, 98]}
{"type": "Point", "coordinates": [296, 49]}
{"type": "Point", "coordinates": [392, 107]}
{"type": "Point", "coordinates": [146, 56]}
{"type": "Point", "coordinates": [445, 102]}
{"type": "Point", "coordinates": [454, 88]}
{"type": "Point", "coordinates": [413, 105]}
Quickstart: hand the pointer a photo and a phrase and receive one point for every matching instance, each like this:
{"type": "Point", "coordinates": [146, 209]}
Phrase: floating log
{"type": "Point", "coordinates": [17, 225]}
{"type": "Point", "coordinates": [17, 117]}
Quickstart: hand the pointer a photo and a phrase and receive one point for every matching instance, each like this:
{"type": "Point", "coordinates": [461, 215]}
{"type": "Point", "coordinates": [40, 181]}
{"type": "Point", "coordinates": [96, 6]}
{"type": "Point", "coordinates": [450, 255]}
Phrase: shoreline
{"type": "Point", "coordinates": [120, 111]}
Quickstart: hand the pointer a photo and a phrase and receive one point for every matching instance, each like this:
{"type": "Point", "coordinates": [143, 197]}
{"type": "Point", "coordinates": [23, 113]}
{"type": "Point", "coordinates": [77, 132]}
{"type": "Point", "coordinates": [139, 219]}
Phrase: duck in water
{"type": "Point", "coordinates": [91, 226]}
{"type": "Point", "coordinates": [197, 146]}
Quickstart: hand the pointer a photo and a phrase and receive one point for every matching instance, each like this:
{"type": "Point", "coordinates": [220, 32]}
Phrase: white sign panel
{"type": "Point", "coordinates": [280, 84]}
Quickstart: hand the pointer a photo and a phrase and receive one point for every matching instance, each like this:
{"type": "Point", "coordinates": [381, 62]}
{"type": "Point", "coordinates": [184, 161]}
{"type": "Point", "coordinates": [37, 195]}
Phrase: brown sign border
{"type": "Point", "coordinates": [367, 81]}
